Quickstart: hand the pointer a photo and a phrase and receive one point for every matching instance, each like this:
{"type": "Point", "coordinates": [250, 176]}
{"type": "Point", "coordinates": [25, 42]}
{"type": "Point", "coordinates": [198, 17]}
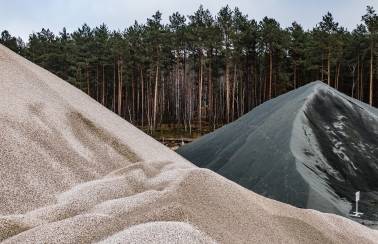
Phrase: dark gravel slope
{"type": "Point", "coordinates": [313, 147]}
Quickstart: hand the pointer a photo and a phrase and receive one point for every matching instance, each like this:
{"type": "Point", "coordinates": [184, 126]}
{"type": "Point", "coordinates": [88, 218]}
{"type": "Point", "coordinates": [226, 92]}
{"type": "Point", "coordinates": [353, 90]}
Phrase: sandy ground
{"type": "Point", "coordinates": [73, 172]}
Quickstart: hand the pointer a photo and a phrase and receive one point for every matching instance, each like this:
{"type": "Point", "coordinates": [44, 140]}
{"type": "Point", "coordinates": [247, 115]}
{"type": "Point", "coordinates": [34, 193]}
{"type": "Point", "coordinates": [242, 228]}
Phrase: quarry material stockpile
{"type": "Point", "coordinates": [74, 172]}
{"type": "Point", "coordinates": [313, 147]}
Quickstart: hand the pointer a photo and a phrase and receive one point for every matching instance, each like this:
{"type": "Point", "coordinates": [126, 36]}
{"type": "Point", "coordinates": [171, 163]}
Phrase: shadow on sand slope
{"type": "Point", "coordinates": [83, 129]}
{"type": "Point", "coordinates": [80, 152]}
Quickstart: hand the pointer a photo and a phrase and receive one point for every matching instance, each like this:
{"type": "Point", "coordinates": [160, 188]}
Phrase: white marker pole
{"type": "Point", "coordinates": [357, 199]}
{"type": "Point", "coordinates": [357, 214]}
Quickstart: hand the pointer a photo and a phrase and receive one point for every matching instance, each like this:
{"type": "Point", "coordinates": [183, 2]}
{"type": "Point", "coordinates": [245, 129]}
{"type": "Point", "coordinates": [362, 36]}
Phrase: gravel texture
{"type": "Point", "coordinates": [312, 147]}
{"type": "Point", "coordinates": [74, 172]}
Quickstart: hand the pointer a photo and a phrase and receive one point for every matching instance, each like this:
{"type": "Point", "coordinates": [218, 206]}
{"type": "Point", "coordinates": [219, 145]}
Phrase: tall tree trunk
{"type": "Point", "coordinates": [133, 94]}
{"type": "Point", "coordinates": [162, 96]}
{"type": "Point", "coordinates": [233, 94]}
{"type": "Point", "coordinates": [120, 88]}
{"type": "Point", "coordinates": [138, 113]}
{"type": "Point", "coordinates": [353, 80]}
{"type": "Point", "coordinates": [114, 87]}
{"type": "Point", "coordinates": [371, 77]}
{"type": "Point", "coordinates": [200, 82]}
{"type": "Point", "coordinates": [190, 108]}
{"type": "Point", "coordinates": [103, 86]}
{"type": "Point", "coordinates": [358, 78]}
{"type": "Point", "coordinates": [295, 75]}
{"type": "Point", "coordinates": [97, 82]}
{"type": "Point", "coordinates": [337, 76]}
{"type": "Point", "coordinates": [142, 87]}
{"type": "Point", "coordinates": [177, 88]}
{"type": "Point", "coordinates": [88, 85]}
{"type": "Point", "coordinates": [210, 91]}
{"type": "Point", "coordinates": [362, 82]}
{"type": "Point", "coordinates": [322, 67]}
{"type": "Point", "coordinates": [79, 77]}
{"type": "Point", "coordinates": [270, 74]}
{"type": "Point", "coordinates": [148, 98]}
{"type": "Point", "coordinates": [329, 67]}
{"type": "Point", "coordinates": [227, 93]}
{"type": "Point", "coordinates": [264, 88]}
{"type": "Point", "coordinates": [155, 96]}
{"type": "Point", "coordinates": [185, 86]}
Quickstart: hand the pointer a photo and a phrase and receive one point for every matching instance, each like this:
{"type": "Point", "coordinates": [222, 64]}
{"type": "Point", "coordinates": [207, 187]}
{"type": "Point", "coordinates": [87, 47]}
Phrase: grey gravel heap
{"type": "Point", "coordinates": [313, 147]}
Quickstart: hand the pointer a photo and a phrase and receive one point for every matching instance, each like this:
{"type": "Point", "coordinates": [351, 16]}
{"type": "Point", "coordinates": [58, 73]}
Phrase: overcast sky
{"type": "Point", "coordinates": [22, 17]}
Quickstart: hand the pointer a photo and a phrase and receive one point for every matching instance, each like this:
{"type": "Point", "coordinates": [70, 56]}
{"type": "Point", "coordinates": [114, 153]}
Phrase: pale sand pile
{"type": "Point", "coordinates": [73, 172]}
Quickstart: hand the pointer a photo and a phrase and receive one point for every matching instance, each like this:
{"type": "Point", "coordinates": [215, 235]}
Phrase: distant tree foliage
{"type": "Point", "coordinates": [202, 71]}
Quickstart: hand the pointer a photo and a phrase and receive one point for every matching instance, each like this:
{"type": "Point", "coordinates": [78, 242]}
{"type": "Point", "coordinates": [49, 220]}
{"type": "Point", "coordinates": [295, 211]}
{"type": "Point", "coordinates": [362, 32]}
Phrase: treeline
{"type": "Point", "coordinates": [203, 70]}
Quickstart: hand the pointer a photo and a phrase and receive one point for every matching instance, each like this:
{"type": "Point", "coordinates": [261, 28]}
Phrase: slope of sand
{"type": "Point", "coordinates": [73, 172]}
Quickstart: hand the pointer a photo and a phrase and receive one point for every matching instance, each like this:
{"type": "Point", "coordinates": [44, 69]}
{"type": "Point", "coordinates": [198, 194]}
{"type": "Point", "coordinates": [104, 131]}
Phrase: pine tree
{"type": "Point", "coordinates": [371, 21]}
